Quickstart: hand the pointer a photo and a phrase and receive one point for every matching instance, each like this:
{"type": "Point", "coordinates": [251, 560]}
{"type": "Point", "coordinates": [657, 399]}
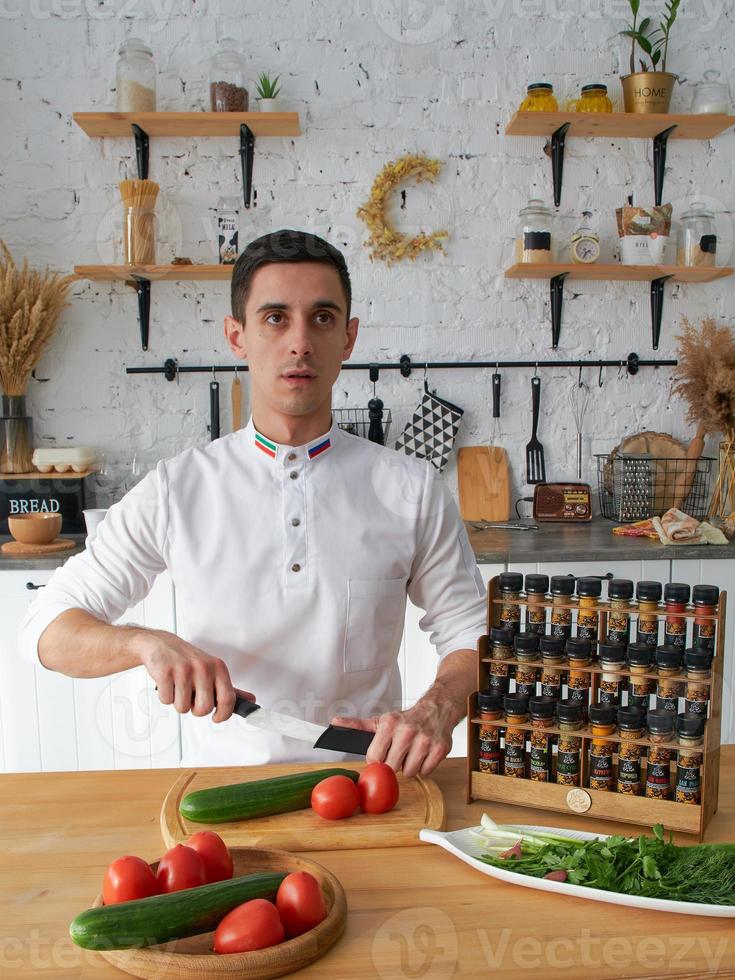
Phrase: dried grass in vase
{"type": "Point", "coordinates": [705, 379]}
{"type": "Point", "coordinates": [30, 303]}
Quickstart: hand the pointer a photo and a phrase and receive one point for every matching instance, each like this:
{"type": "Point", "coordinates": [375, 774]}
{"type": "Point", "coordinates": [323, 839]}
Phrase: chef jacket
{"type": "Point", "coordinates": [292, 564]}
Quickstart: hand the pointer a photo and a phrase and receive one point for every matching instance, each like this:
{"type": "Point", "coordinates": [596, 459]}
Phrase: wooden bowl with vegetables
{"type": "Point", "coordinates": [144, 928]}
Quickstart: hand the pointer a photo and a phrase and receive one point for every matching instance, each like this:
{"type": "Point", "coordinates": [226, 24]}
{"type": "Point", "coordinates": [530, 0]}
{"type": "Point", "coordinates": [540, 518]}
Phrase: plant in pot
{"type": "Point", "coordinates": [649, 90]}
{"type": "Point", "coordinates": [267, 90]}
{"type": "Point", "coordinates": [30, 303]}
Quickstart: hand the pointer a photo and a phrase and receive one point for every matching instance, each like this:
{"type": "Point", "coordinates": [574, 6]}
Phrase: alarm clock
{"type": "Point", "coordinates": [585, 249]}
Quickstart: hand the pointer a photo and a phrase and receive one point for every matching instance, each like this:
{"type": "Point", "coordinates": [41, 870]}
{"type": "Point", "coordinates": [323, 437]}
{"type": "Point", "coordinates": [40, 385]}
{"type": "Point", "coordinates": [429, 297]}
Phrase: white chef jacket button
{"type": "Point", "coordinates": [292, 456]}
{"type": "Point", "coordinates": [296, 568]}
{"type": "Point", "coordinates": [293, 475]}
{"type": "Point", "coordinates": [295, 522]}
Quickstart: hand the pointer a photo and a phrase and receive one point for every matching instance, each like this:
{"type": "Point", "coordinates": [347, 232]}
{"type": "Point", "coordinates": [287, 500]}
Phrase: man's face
{"type": "Point", "coordinates": [295, 335]}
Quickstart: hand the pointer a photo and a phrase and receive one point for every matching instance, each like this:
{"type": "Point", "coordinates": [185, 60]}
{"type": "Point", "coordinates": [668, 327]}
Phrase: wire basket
{"type": "Point", "coordinates": [636, 486]}
{"type": "Point", "coordinates": [357, 421]}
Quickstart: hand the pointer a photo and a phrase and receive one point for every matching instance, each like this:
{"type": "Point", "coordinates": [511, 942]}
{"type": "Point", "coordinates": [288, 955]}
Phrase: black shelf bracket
{"type": "Point", "coordinates": [558, 139]}
{"type": "Point", "coordinates": [659, 162]}
{"type": "Point", "coordinates": [556, 286]}
{"type": "Point", "coordinates": [657, 308]}
{"type": "Point", "coordinates": [141, 150]}
{"type": "Point", "coordinates": [143, 289]}
{"type": "Point", "coordinates": [247, 153]}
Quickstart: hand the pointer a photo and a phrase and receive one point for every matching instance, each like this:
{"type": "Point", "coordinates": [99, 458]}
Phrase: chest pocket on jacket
{"type": "Point", "coordinates": [376, 610]}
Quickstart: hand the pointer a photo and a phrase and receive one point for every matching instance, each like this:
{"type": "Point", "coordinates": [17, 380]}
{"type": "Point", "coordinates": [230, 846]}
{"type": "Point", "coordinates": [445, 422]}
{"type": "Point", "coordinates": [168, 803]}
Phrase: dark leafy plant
{"type": "Point", "coordinates": [653, 42]}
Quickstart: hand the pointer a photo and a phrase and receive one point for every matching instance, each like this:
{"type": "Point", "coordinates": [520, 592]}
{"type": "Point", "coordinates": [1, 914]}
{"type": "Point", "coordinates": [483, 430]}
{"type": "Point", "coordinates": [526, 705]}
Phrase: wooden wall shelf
{"type": "Point", "coordinates": [620, 125]}
{"type": "Point", "coordinates": [163, 273]}
{"type": "Point", "coordinates": [176, 124]}
{"type": "Point", "coordinates": [615, 272]}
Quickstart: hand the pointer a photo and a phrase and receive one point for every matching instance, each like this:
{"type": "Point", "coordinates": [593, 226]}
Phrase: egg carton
{"type": "Point", "coordinates": [76, 459]}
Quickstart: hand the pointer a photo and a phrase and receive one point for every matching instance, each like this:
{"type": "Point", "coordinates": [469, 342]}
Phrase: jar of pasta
{"type": "Point", "coordinates": [540, 98]}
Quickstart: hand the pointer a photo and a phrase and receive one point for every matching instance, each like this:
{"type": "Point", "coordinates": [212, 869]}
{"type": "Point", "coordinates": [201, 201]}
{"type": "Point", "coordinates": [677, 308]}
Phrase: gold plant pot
{"type": "Point", "coordinates": [648, 91]}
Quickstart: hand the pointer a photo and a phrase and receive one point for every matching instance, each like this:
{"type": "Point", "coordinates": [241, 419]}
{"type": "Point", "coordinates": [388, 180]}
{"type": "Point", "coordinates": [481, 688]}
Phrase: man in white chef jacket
{"type": "Point", "coordinates": [292, 546]}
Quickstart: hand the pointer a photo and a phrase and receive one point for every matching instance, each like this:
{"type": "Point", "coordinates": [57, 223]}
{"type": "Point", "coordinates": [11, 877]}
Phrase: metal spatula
{"type": "Point", "coordinates": [535, 466]}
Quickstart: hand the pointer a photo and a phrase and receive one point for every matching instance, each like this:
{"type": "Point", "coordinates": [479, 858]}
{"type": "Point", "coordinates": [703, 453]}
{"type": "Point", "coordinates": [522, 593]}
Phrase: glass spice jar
{"type": "Point", "coordinates": [602, 720]}
{"type": "Point", "coordinates": [490, 708]}
{"type": "Point", "coordinates": [619, 593]}
{"type": "Point", "coordinates": [579, 655]}
{"type": "Point", "coordinates": [705, 599]}
{"type": "Point", "coordinates": [227, 92]}
{"type": "Point", "coordinates": [697, 238]}
{"type": "Point", "coordinates": [516, 713]}
{"type": "Point", "coordinates": [594, 98]}
{"type": "Point", "coordinates": [668, 685]}
{"type": "Point", "coordinates": [690, 736]}
{"type": "Point", "coordinates": [541, 711]}
{"type": "Point", "coordinates": [533, 241]}
{"type": "Point", "coordinates": [589, 591]}
{"type": "Point", "coordinates": [640, 662]}
{"type": "Point", "coordinates": [501, 652]}
{"type": "Point", "coordinates": [632, 726]}
{"type": "Point", "coordinates": [698, 669]}
{"type": "Point", "coordinates": [569, 753]}
{"type": "Point", "coordinates": [552, 658]}
{"type": "Point", "coordinates": [612, 661]}
{"type": "Point", "coordinates": [562, 590]}
{"type": "Point", "coordinates": [509, 587]}
{"type": "Point", "coordinates": [660, 726]}
{"type": "Point", "coordinates": [648, 595]}
{"type": "Point", "coordinates": [525, 647]}
{"type": "Point", "coordinates": [136, 78]}
{"type": "Point", "coordinates": [537, 586]}
{"type": "Point", "coordinates": [540, 98]}
{"type": "Point", "coordinates": [676, 597]}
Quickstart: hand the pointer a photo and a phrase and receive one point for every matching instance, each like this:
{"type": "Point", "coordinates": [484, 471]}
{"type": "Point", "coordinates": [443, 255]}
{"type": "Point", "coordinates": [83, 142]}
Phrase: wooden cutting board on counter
{"type": "Point", "coordinates": [484, 483]}
{"type": "Point", "coordinates": [420, 804]}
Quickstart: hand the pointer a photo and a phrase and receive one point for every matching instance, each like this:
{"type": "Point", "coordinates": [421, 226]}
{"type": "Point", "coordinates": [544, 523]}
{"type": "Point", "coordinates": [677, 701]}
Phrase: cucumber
{"type": "Point", "coordinates": [242, 801]}
{"type": "Point", "coordinates": [161, 918]}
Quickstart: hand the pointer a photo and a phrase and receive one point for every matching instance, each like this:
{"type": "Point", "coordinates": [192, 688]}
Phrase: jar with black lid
{"type": "Point", "coordinates": [569, 755]}
{"type": "Point", "coordinates": [541, 711]}
{"type": "Point", "coordinates": [668, 686]}
{"type": "Point", "coordinates": [698, 667]}
{"type": "Point", "coordinates": [648, 595]}
{"type": "Point", "coordinates": [490, 708]}
{"type": "Point", "coordinates": [562, 590]}
{"type": "Point", "coordinates": [660, 726]}
{"type": "Point", "coordinates": [612, 661]}
{"type": "Point", "coordinates": [640, 662]}
{"type": "Point", "coordinates": [537, 587]}
{"type": "Point", "coordinates": [602, 721]}
{"type": "Point", "coordinates": [690, 736]}
{"type": "Point", "coordinates": [510, 585]}
{"type": "Point", "coordinates": [501, 652]}
{"type": "Point", "coordinates": [705, 599]}
{"type": "Point", "coordinates": [619, 593]}
{"type": "Point", "coordinates": [579, 655]}
{"type": "Point", "coordinates": [552, 655]}
{"type": "Point", "coordinates": [676, 597]}
{"type": "Point", "coordinates": [589, 591]}
{"type": "Point", "coordinates": [525, 646]}
{"type": "Point", "coordinates": [516, 711]}
{"type": "Point", "coordinates": [632, 726]}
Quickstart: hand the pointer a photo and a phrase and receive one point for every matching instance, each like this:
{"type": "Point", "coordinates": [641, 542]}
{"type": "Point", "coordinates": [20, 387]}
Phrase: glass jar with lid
{"type": "Point", "coordinates": [136, 77]}
{"type": "Point", "coordinates": [711, 95]}
{"type": "Point", "coordinates": [697, 238]}
{"type": "Point", "coordinates": [227, 90]}
{"type": "Point", "coordinates": [594, 98]}
{"type": "Point", "coordinates": [533, 242]}
{"type": "Point", "coordinates": [540, 98]}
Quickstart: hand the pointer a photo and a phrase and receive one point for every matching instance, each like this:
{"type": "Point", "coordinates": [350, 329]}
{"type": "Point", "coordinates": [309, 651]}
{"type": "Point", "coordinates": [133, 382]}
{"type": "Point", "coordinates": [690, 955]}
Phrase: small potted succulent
{"type": "Point", "coordinates": [649, 90]}
{"type": "Point", "coordinates": [267, 90]}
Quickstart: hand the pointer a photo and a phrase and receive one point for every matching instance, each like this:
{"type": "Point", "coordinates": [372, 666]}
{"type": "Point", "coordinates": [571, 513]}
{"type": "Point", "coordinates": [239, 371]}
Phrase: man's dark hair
{"type": "Point", "coordinates": [284, 246]}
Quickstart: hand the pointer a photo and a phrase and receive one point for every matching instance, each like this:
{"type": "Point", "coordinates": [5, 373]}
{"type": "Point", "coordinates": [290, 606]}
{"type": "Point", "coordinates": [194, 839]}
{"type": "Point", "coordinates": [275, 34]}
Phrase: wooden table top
{"type": "Point", "coordinates": [414, 912]}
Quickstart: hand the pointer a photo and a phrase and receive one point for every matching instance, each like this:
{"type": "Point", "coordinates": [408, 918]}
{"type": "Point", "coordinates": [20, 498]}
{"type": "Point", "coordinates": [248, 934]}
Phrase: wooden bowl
{"type": "Point", "coordinates": [35, 528]}
{"type": "Point", "coordinates": [193, 957]}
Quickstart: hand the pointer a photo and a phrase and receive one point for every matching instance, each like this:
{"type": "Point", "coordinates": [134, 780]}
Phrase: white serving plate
{"type": "Point", "coordinates": [468, 848]}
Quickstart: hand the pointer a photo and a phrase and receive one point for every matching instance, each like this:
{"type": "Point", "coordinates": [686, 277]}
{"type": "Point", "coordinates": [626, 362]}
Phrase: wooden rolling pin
{"type": "Point", "coordinates": [688, 469]}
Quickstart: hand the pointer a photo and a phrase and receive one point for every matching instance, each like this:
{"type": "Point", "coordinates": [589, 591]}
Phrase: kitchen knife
{"type": "Point", "coordinates": [334, 737]}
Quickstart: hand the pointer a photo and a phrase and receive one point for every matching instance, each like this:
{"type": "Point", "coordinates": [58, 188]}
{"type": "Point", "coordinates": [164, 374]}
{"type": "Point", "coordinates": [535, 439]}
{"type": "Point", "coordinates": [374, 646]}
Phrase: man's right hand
{"type": "Point", "coordinates": [187, 677]}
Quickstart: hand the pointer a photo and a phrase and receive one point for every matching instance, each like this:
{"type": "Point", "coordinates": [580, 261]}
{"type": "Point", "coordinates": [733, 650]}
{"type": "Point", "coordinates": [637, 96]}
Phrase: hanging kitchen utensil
{"type": "Point", "coordinates": [236, 394]}
{"type": "Point", "coordinates": [375, 411]}
{"type": "Point", "coordinates": [535, 466]}
{"type": "Point", "coordinates": [213, 408]}
{"type": "Point", "coordinates": [431, 432]}
{"type": "Point", "coordinates": [578, 399]}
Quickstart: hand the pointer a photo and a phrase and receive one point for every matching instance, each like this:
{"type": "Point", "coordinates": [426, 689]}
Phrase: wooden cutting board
{"type": "Point", "coordinates": [17, 548]}
{"type": "Point", "coordinates": [484, 483]}
{"type": "Point", "coordinates": [421, 804]}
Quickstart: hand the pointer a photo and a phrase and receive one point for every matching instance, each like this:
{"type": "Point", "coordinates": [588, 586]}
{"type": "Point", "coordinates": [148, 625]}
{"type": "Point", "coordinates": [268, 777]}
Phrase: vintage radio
{"type": "Point", "coordinates": [562, 502]}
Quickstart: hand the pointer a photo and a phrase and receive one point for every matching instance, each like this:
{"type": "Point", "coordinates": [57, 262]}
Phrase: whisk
{"type": "Point", "coordinates": [578, 399]}
{"type": "Point", "coordinates": [139, 201]}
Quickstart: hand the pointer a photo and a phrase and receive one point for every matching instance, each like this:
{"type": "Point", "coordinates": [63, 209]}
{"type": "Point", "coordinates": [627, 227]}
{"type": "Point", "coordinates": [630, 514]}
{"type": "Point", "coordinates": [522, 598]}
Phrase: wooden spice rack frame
{"type": "Point", "coordinates": [582, 801]}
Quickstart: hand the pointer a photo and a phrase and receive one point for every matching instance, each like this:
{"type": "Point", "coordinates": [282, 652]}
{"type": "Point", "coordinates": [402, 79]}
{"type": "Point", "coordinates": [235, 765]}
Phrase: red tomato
{"type": "Point", "coordinates": [214, 853]}
{"type": "Point", "coordinates": [377, 788]}
{"type": "Point", "coordinates": [128, 878]}
{"type": "Point", "coordinates": [253, 925]}
{"type": "Point", "coordinates": [180, 868]}
{"type": "Point", "coordinates": [300, 903]}
{"type": "Point", "coordinates": [335, 797]}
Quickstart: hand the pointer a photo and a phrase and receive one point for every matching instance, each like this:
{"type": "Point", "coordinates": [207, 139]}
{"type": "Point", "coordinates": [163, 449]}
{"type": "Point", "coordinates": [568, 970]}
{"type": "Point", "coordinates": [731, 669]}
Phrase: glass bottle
{"type": "Point", "coordinates": [660, 726]}
{"type": "Point", "coordinates": [562, 590]}
{"type": "Point", "coordinates": [612, 661]}
{"type": "Point", "coordinates": [541, 711]}
{"type": "Point", "coordinates": [648, 595]}
{"type": "Point", "coordinates": [632, 726]}
{"type": "Point", "coordinates": [533, 243]}
{"type": "Point", "coordinates": [698, 667]}
{"type": "Point", "coordinates": [602, 720]}
{"type": "Point", "coordinates": [640, 662]}
{"type": "Point", "coordinates": [509, 587]}
{"type": "Point", "coordinates": [516, 713]}
{"type": "Point", "coordinates": [579, 655]}
{"type": "Point", "coordinates": [668, 685]}
{"type": "Point", "coordinates": [540, 98]}
{"type": "Point", "coordinates": [227, 92]}
{"type": "Point", "coordinates": [501, 652]}
{"type": "Point", "coordinates": [490, 708]}
{"type": "Point", "coordinates": [711, 95]}
{"type": "Point", "coordinates": [619, 592]}
{"type": "Point", "coordinates": [525, 646]}
{"type": "Point", "coordinates": [589, 591]}
{"type": "Point", "coordinates": [697, 240]}
{"type": "Point", "coordinates": [676, 597]}
{"type": "Point", "coordinates": [569, 754]}
{"type": "Point", "coordinates": [136, 77]}
{"type": "Point", "coordinates": [705, 599]}
{"type": "Point", "coordinates": [537, 586]}
{"type": "Point", "coordinates": [690, 736]}
{"type": "Point", "coordinates": [552, 657]}
{"type": "Point", "coordinates": [594, 98]}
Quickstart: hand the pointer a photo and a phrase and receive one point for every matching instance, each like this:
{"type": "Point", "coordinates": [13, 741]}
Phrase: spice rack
{"type": "Point", "coordinates": [689, 818]}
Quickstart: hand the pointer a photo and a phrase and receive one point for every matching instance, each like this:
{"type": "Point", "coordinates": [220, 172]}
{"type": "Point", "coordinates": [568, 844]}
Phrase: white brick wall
{"type": "Point", "coordinates": [372, 80]}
